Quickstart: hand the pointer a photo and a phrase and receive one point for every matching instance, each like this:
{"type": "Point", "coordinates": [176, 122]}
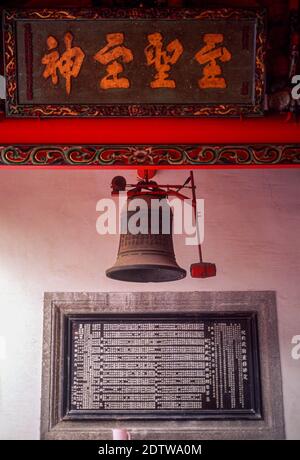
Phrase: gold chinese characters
{"type": "Point", "coordinates": [162, 60]}
{"type": "Point", "coordinates": [209, 55]}
{"type": "Point", "coordinates": [109, 55]}
{"type": "Point", "coordinates": [68, 64]}
{"type": "Point", "coordinates": [115, 55]}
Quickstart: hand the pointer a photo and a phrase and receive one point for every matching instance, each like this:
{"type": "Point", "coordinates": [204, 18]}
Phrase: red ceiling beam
{"type": "Point", "coordinates": [154, 131]}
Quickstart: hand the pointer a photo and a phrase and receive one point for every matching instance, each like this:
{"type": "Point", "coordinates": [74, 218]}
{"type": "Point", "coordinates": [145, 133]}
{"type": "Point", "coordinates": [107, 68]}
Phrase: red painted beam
{"type": "Point", "coordinates": [149, 131]}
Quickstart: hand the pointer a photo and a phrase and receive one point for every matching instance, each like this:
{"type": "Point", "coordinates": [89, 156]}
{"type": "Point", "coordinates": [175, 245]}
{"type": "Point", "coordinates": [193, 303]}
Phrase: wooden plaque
{"type": "Point", "coordinates": [134, 62]}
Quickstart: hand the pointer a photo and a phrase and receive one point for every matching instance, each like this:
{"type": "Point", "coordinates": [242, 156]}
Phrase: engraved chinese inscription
{"type": "Point", "coordinates": [158, 365]}
{"type": "Point", "coordinates": [70, 63]}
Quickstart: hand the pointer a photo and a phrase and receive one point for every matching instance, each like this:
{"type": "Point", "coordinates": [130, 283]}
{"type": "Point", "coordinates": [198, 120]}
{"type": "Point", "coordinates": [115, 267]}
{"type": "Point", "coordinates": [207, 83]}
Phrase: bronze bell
{"type": "Point", "coordinates": [147, 257]}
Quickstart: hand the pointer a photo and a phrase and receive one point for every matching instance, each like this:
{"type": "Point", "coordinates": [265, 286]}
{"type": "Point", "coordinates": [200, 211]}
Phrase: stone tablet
{"type": "Point", "coordinates": [163, 366]}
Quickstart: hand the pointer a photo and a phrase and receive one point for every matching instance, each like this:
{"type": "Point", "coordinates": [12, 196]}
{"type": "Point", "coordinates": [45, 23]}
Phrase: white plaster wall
{"type": "Point", "coordinates": [48, 242]}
